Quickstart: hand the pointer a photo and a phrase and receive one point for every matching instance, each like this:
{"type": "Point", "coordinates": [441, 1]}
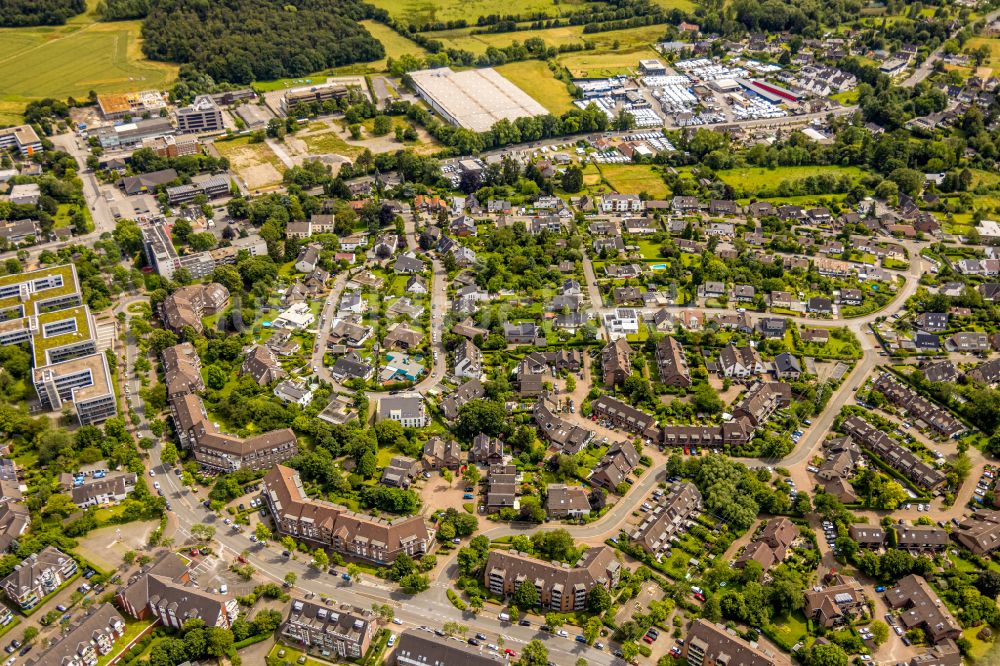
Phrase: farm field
{"type": "Point", "coordinates": [395, 44]}
{"type": "Point", "coordinates": [635, 178]}
{"type": "Point", "coordinates": [535, 78]}
{"type": "Point", "coordinates": [256, 163]}
{"type": "Point", "coordinates": [423, 11]}
{"type": "Point", "coordinates": [760, 177]}
{"type": "Point", "coordinates": [73, 59]}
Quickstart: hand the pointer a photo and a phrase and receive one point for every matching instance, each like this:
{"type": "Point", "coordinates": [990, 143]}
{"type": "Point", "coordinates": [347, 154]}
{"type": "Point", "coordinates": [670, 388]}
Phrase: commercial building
{"type": "Point", "coordinates": [212, 187]}
{"type": "Point", "coordinates": [39, 575]}
{"type": "Point", "coordinates": [45, 310]}
{"type": "Point", "coordinates": [161, 255]}
{"type": "Point", "coordinates": [312, 626]}
{"type": "Point", "coordinates": [202, 116]}
{"type": "Point", "coordinates": [561, 587]}
{"type": "Point", "coordinates": [116, 106]}
{"type": "Point", "coordinates": [330, 525]}
{"type": "Point", "coordinates": [22, 137]}
{"type": "Point", "coordinates": [130, 135]}
{"type": "Point", "coordinates": [86, 640]}
{"type": "Point", "coordinates": [318, 93]}
{"type": "Point", "coordinates": [475, 99]}
{"type": "Point", "coordinates": [172, 146]}
{"type": "Point", "coordinates": [708, 644]}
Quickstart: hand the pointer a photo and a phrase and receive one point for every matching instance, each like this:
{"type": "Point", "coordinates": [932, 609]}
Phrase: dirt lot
{"type": "Point", "coordinates": [435, 493]}
{"type": "Point", "coordinates": [105, 547]}
{"type": "Point", "coordinates": [255, 163]}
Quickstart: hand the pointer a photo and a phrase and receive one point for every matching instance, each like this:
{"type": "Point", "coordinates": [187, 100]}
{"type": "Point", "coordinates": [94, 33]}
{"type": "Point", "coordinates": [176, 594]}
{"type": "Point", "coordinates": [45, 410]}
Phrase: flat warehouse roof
{"type": "Point", "coordinates": [476, 98]}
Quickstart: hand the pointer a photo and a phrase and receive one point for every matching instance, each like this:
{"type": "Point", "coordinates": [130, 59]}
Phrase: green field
{"type": "Point", "coordinates": [994, 46]}
{"type": "Point", "coordinates": [535, 78]}
{"type": "Point", "coordinates": [757, 178]}
{"type": "Point", "coordinates": [395, 44]}
{"type": "Point", "coordinates": [635, 178]}
{"type": "Point", "coordinates": [330, 142]}
{"type": "Point", "coordinates": [71, 60]}
{"type": "Point", "coordinates": [424, 11]}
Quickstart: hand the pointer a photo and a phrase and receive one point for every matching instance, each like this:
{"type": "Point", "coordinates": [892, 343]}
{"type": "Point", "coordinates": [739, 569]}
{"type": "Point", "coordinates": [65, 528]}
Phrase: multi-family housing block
{"type": "Point", "coordinates": [37, 576]}
{"type": "Point", "coordinates": [347, 634]}
{"type": "Point", "coordinates": [894, 454]}
{"type": "Point", "coordinates": [561, 587]}
{"type": "Point", "coordinates": [326, 524]}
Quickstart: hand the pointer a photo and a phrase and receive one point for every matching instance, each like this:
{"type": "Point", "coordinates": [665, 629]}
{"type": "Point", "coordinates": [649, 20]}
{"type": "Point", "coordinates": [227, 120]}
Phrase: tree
{"type": "Point", "coordinates": [572, 179]}
{"type": "Point", "coordinates": [320, 559]}
{"type": "Point", "coordinates": [592, 629]}
{"type": "Point", "coordinates": [262, 533]}
{"type": "Point", "coordinates": [168, 454]}
{"type": "Point", "coordinates": [29, 634]}
{"type": "Point", "coordinates": [534, 654]}
{"type": "Point", "coordinates": [288, 543]}
{"type": "Point", "coordinates": [988, 583]}
{"type": "Point", "coordinates": [203, 532]}
{"type": "Point", "coordinates": [598, 599]}
{"type": "Point", "coordinates": [526, 595]}
{"type": "Point", "coordinates": [291, 577]}
{"type": "Point", "coordinates": [414, 583]}
{"type": "Point", "coordinates": [554, 620]}
{"type": "Point", "coordinates": [629, 650]}
{"type": "Point", "coordinates": [382, 125]}
{"type": "Point", "coordinates": [880, 632]}
{"type": "Point", "coordinates": [827, 655]}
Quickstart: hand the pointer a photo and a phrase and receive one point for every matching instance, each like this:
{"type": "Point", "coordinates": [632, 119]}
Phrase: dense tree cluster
{"type": "Point", "coordinates": [17, 13]}
{"type": "Point", "coordinates": [245, 40]}
{"type": "Point", "coordinates": [123, 10]}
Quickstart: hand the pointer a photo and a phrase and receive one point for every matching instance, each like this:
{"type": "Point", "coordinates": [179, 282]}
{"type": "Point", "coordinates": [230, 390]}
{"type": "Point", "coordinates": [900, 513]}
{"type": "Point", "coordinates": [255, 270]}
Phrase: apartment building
{"type": "Point", "coordinates": [420, 648]}
{"type": "Point", "coordinates": [921, 608]}
{"type": "Point", "coordinates": [671, 363]}
{"type": "Point", "coordinates": [980, 532]}
{"type": "Point", "coordinates": [740, 362]}
{"type": "Point", "coordinates": [762, 400]}
{"type": "Point", "coordinates": [616, 362]}
{"type": "Point", "coordinates": [570, 437]}
{"type": "Point", "coordinates": [938, 419]}
{"type": "Point", "coordinates": [227, 453]}
{"type": "Point", "coordinates": [159, 250]}
{"type": "Point", "coordinates": [182, 370]}
{"type": "Point", "coordinates": [622, 414]}
{"type": "Point", "coordinates": [895, 455]}
{"type": "Point", "coordinates": [615, 466]}
{"type": "Point", "coordinates": [37, 576]}
{"type": "Point", "coordinates": [671, 515]}
{"type": "Point", "coordinates": [202, 116]}
{"type": "Point", "coordinates": [187, 305]}
{"type": "Point", "coordinates": [311, 626]}
{"type": "Point", "coordinates": [333, 526]}
{"type": "Point", "coordinates": [561, 587]}
{"type": "Point", "coordinates": [86, 640]}
{"type": "Point", "coordinates": [408, 409]}
{"type": "Point", "coordinates": [709, 644]}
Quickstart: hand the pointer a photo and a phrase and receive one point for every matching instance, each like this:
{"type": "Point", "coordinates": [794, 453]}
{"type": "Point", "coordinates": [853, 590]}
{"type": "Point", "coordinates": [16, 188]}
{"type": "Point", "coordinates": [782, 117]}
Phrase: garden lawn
{"type": "Point", "coordinates": [635, 179]}
{"type": "Point", "coordinates": [759, 177]}
{"type": "Point", "coordinates": [132, 629]}
{"type": "Point", "coordinates": [790, 630]}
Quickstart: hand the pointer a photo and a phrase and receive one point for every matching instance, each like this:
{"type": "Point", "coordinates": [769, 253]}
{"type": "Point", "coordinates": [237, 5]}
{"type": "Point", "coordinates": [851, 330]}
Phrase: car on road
{"type": "Point", "coordinates": [152, 473]}
{"type": "Point", "coordinates": [510, 653]}
{"type": "Point", "coordinates": [156, 484]}
{"type": "Point", "coordinates": [25, 650]}
{"type": "Point", "coordinates": [580, 639]}
{"type": "Point", "coordinates": [473, 642]}
{"type": "Point", "coordinates": [468, 496]}
{"type": "Point", "coordinates": [524, 623]}
{"type": "Point", "coordinates": [396, 620]}
{"type": "Point", "coordinates": [562, 633]}
{"type": "Point", "coordinates": [880, 588]}
{"type": "Point", "coordinates": [481, 637]}
{"type": "Point", "coordinates": [391, 641]}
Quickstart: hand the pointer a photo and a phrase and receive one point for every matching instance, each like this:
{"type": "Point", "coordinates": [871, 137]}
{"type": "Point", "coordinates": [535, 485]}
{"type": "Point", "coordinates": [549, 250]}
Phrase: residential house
{"type": "Point", "coordinates": [407, 409]}
{"type": "Point", "coordinates": [616, 362]}
{"type": "Point", "coordinates": [564, 501]}
{"type": "Point", "coordinates": [671, 363]}
{"type": "Point", "coordinates": [771, 545]}
{"type": "Point", "coordinates": [442, 454]}
{"type": "Point", "coordinates": [615, 466]}
{"type": "Point", "coordinates": [921, 608]}
{"type": "Point", "coordinates": [842, 600]}
{"type": "Point", "coordinates": [400, 472]}
{"type": "Point", "coordinates": [740, 362]}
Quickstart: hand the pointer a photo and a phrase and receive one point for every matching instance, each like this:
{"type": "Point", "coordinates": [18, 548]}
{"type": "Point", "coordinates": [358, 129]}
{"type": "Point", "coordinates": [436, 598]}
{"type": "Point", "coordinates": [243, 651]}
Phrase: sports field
{"type": "Point", "coordinates": [756, 178]}
{"type": "Point", "coordinates": [73, 59]}
{"type": "Point", "coordinates": [535, 78]}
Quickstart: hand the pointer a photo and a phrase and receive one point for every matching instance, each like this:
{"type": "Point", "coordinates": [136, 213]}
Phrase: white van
{"type": "Point", "coordinates": [504, 617]}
